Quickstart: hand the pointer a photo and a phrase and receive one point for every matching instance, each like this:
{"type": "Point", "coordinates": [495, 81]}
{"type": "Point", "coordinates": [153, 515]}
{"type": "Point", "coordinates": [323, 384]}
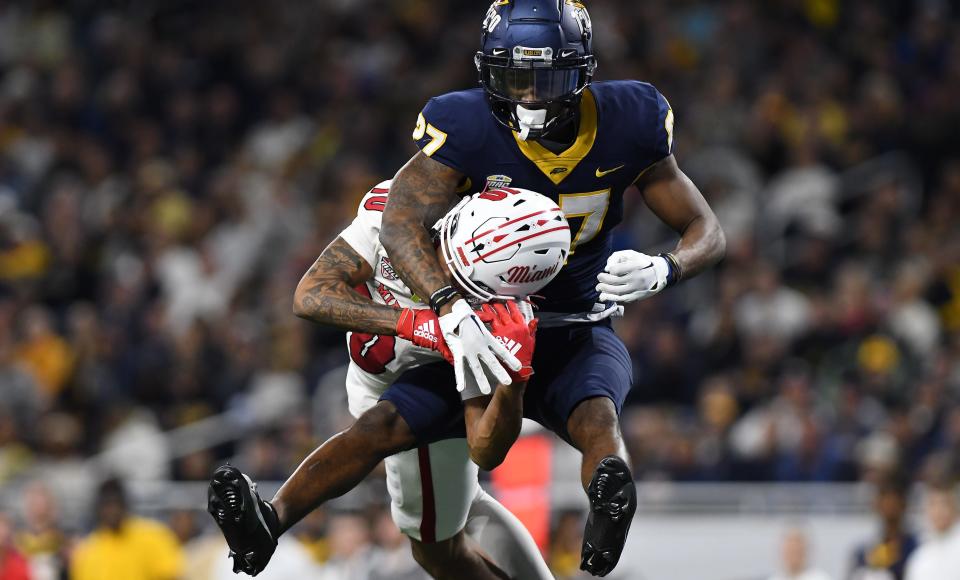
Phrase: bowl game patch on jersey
{"type": "Point", "coordinates": [498, 181]}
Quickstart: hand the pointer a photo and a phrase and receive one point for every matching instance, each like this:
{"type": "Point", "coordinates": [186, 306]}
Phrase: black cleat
{"type": "Point", "coordinates": [613, 500]}
{"type": "Point", "coordinates": [248, 523]}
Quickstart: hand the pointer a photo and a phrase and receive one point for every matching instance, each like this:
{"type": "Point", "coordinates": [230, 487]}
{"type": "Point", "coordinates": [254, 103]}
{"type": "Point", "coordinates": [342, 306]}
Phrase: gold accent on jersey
{"type": "Point", "coordinates": [558, 166]}
{"type": "Point", "coordinates": [668, 125]}
{"type": "Point", "coordinates": [464, 186]}
{"type": "Point", "coordinates": [592, 206]}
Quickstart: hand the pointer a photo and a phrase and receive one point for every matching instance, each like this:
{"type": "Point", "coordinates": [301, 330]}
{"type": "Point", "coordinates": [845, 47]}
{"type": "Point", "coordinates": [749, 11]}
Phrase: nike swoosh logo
{"type": "Point", "coordinates": [499, 51]}
{"type": "Point", "coordinates": [602, 173]}
{"type": "Point", "coordinates": [566, 53]}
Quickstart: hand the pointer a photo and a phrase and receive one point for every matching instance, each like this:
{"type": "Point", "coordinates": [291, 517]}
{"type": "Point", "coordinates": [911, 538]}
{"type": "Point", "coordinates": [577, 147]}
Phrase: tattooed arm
{"type": "Point", "coordinates": [326, 293]}
{"type": "Point", "coordinates": [422, 192]}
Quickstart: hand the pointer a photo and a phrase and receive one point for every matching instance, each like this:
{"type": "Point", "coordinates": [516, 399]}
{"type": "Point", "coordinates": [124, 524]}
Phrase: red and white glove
{"type": "Point", "coordinates": [474, 349]}
{"type": "Point", "coordinates": [508, 325]}
{"type": "Point", "coordinates": [422, 327]}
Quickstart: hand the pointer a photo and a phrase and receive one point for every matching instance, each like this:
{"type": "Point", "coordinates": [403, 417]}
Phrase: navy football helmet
{"type": "Point", "coordinates": [535, 60]}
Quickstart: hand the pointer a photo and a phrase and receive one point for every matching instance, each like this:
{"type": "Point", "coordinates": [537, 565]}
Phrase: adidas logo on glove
{"type": "Point", "coordinates": [512, 345]}
{"type": "Point", "coordinates": [426, 331]}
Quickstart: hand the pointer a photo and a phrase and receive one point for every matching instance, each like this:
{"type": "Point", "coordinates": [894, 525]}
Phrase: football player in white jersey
{"type": "Point", "coordinates": [433, 487]}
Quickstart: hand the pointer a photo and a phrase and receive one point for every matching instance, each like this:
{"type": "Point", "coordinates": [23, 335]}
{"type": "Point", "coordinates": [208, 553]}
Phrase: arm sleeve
{"type": "Point", "coordinates": [439, 133]}
{"type": "Point", "coordinates": [363, 234]}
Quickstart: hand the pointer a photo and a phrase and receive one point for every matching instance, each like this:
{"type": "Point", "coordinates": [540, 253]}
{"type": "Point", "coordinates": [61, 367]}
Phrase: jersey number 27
{"type": "Point", "coordinates": [592, 207]}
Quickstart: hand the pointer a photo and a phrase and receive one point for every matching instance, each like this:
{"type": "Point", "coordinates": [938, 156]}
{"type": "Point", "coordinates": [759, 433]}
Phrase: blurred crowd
{"type": "Point", "coordinates": [895, 551]}
{"type": "Point", "coordinates": [344, 545]}
{"type": "Point", "coordinates": [168, 170]}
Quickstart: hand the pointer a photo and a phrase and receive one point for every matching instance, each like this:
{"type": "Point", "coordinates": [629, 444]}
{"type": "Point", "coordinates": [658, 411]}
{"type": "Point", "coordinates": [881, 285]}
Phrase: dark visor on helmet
{"type": "Point", "coordinates": [533, 85]}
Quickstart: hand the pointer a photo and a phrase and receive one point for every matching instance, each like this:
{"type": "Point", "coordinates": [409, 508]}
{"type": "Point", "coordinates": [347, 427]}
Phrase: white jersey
{"type": "Point", "coordinates": [377, 361]}
{"type": "Point", "coordinates": [937, 559]}
{"type": "Point", "coordinates": [433, 488]}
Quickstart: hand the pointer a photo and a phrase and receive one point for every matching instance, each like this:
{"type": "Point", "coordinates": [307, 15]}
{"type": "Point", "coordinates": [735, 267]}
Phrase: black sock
{"type": "Point", "coordinates": [270, 516]}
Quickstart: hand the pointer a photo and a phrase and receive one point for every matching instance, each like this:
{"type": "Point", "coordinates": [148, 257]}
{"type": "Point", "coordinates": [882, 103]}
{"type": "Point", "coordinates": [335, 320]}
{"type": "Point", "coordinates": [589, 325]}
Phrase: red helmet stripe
{"type": "Point", "coordinates": [505, 246]}
{"type": "Point", "coordinates": [513, 221]}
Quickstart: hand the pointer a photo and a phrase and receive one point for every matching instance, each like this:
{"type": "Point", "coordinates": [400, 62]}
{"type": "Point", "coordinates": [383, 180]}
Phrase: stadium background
{"type": "Point", "coordinates": [168, 170]}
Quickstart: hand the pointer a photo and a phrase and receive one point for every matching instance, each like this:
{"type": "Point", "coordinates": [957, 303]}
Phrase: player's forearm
{"type": "Point", "coordinates": [336, 304]}
{"type": "Point", "coordinates": [325, 294]}
{"type": "Point", "coordinates": [675, 199]}
{"type": "Point", "coordinates": [702, 245]}
{"type": "Point", "coordinates": [492, 430]}
{"type": "Point", "coordinates": [413, 256]}
{"type": "Point", "coordinates": [421, 193]}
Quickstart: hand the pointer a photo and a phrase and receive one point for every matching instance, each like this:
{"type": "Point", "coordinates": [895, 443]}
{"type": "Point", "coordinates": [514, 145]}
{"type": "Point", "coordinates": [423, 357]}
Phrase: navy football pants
{"type": "Point", "coordinates": [571, 364]}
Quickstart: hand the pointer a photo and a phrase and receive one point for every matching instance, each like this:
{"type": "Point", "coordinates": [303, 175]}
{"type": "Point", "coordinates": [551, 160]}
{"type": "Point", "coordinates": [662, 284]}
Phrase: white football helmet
{"type": "Point", "coordinates": [504, 243]}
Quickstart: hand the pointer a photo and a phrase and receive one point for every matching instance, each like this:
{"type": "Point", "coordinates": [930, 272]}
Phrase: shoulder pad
{"type": "Point", "coordinates": [652, 115]}
{"type": "Point", "coordinates": [452, 126]}
{"type": "Point", "coordinates": [363, 234]}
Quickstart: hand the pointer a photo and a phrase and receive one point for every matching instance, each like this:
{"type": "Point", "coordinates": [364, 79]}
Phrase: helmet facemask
{"type": "Point", "coordinates": [530, 91]}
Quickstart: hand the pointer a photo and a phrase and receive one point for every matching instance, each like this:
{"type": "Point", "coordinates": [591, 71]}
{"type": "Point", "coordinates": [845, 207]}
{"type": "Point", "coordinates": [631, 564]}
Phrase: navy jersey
{"type": "Point", "coordinates": [883, 560]}
{"type": "Point", "coordinates": [625, 127]}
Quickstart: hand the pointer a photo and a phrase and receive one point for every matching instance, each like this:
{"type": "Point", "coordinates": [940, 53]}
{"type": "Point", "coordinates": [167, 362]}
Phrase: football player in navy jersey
{"type": "Point", "coordinates": [538, 122]}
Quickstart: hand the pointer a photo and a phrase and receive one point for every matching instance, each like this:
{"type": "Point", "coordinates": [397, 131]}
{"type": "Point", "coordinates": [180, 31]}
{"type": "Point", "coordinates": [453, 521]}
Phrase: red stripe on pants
{"type": "Point", "coordinates": [428, 524]}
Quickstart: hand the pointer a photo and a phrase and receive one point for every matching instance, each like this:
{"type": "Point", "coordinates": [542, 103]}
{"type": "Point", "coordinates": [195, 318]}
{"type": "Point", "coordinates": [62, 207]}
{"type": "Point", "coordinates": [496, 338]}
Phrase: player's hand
{"type": "Point", "coordinates": [422, 327]}
{"type": "Point", "coordinates": [474, 348]}
{"type": "Point", "coordinates": [509, 326]}
{"type": "Point", "coordinates": [631, 276]}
